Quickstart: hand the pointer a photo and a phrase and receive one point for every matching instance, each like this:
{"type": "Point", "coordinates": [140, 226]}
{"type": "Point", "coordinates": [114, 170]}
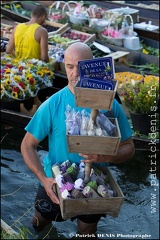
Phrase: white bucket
{"type": "Point", "coordinates": [132, 43]}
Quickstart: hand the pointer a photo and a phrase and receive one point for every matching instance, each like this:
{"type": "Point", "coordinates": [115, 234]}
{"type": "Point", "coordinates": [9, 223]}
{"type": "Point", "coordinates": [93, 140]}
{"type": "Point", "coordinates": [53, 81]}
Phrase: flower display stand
{"type": "Point", "coordinates": [93, 145]}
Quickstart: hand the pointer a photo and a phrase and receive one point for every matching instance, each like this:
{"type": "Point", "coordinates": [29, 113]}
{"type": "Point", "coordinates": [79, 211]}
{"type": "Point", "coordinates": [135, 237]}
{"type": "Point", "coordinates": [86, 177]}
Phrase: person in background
{"type": "Point", "coordinates": [30, 40]}
{"type": "Point", "coordinates": [49, 120]}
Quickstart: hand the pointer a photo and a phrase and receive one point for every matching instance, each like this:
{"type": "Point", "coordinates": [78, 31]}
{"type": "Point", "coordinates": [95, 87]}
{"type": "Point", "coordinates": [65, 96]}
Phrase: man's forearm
{"type": "Point", "coordinates": [33, 162]}
{"type": "Point", "coordinates": [124, 153]}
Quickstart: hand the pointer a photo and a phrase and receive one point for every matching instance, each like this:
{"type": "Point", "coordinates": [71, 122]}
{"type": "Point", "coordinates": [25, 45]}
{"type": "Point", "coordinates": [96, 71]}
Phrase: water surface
{"type": "Point", "coordinates": [138, 217]}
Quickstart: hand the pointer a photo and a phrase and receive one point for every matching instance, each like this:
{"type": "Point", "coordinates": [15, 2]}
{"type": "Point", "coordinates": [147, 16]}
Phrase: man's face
{"type": "Point", "coordinates": [73, 55]}
{"type": "Point", "coordinates": [71, 65]}
{"type": "Point", "coordinates": [42, 19]}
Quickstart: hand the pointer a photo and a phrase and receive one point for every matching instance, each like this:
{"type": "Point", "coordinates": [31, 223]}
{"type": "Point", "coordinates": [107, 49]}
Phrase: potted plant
{"type": "Point", "coordinates": [140, 98]}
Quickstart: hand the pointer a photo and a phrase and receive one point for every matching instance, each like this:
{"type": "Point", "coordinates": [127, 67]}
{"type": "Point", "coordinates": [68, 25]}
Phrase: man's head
{"type": "Point", "coordinates": [39, 13]}
{"type": "Point", "coordinates": [75, 52]}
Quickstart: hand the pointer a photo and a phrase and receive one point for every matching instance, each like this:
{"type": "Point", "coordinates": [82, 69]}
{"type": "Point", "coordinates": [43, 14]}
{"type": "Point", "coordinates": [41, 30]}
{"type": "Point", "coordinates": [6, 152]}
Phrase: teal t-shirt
{"type": "Point", "coordinates": [50, 120]}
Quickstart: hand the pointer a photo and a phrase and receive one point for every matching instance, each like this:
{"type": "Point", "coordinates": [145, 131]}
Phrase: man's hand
{"type": "Point", "coordinates": [97, 158]}
{"type": "Point", "coordinates": [49, 185]}
{"type": "Point", "coordinates": [125, 152]}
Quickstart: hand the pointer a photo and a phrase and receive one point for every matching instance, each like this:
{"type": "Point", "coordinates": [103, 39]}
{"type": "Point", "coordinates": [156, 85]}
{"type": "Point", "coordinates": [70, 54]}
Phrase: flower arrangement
{"type": "Point", "coordinates": [114, 18]}
{"type": "Point", "coordinates": [118, 28]}
{"type": "Point", "coordinates": [114, 33]}
{"type": "Point", "coordinates": [23, 79]}
{"type": "Point", "coordinates": [56, 12]}
{"type": "Point", "coordinates": [114, 28]}
{"type": "Point", "coordinates": [139, 96]}
{"type": "Point", "coordinates": [95, 12]}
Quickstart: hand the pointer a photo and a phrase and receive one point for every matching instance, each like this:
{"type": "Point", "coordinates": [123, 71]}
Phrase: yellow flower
{"type": "Point", "coordinates": [15, 61]}
{"type": "Point", "coordinates": [18, 5]}
{"type": "Point", "coordinates": [3, 62]}
{"type": "Point", "coordinates": [17, 78]}
{"type": "Point", "coordinates": [47, 71]}
{"type": "Point", "coordinates": [8, 81]}
{"type": "Point", "coordinates": [2, 88]}
{"type": "Point", "coordinates": [149, 78]}
{"type": "Point", "coordinates": [145, 51]}
{"type": "Point", "coordinates": [29, 75]}
{"type": "Point", "coordinates": [30, 64]}
{"type": "Point", "coordinates": [7, 71]}
{"type": "Point", "coordinates": [15, 94]}
{"type": "Point", "coordinates": [24, 88]}
{"type": "Point", "coordinates": [40, 73]}
{"type": "Point", "coordinates": [127, 77]}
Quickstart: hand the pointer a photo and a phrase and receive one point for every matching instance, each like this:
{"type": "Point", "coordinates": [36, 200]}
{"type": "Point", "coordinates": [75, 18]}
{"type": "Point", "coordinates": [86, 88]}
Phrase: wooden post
{"type": "Point", "coordinates": [94, 114]}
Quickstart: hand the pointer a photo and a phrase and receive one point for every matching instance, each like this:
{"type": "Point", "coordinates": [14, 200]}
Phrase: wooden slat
{"type": "Point", "coordinates": [94, 98]}
{"type": "Point", "coordinates": [106, 145]}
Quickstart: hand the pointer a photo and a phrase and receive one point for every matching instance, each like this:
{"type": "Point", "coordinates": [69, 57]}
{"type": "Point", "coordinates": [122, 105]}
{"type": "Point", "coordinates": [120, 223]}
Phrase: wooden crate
{"type": "Point", "coordinates": [94, 98]}
{"type": "Point", "coordinates": [95, 144]}
{"type": "Point", "coordinates": [90, 37]}
{"type": "Point", "coordinates": [60, 27]}
{"type": "Point", "coordinates": [110, 206]}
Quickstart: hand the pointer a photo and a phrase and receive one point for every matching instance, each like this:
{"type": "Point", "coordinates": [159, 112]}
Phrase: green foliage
{"type": "Point", "coordinates": [148, 66]}
{"type": "Point", "coordinates": [151, 50]}
{"type": "Point", "coordinates": [21, 235]}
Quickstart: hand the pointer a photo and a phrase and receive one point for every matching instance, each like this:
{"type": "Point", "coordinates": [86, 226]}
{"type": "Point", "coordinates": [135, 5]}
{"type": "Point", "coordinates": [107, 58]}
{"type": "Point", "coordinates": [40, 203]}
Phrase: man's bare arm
{"type": "Point", "coordinates": [11, 44]}
{"type": "Point", "coordinates": [32, 160]}
{"type": "Point", "coordinates": [44, 44]}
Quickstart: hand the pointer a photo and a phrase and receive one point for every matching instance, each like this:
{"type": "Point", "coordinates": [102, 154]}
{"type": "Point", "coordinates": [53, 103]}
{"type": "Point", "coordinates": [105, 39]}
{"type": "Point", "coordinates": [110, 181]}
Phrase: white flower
{"type": "Point", "coordinates": [133, 82]}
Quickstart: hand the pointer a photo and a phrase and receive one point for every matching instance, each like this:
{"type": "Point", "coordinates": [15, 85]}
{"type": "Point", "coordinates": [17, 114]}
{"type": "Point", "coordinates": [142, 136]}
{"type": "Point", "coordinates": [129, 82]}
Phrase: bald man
{"type": "Point", "coordinates": [49, 120]}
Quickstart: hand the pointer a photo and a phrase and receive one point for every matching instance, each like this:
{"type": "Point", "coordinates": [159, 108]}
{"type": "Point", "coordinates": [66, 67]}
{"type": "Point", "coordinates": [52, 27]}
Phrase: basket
{"type": "Point", "coordinates": [115, 41]}
{"type": "Point", "coordinates": [129, 31]}
{"type": "Point", "coordinates": [125, 31]}
{"type": "Point", "coordinates": [75, 19]}
{"type": "Point", "coordinates": [118, 41]}
{"type": "Point", "coordinates": [55, 11]}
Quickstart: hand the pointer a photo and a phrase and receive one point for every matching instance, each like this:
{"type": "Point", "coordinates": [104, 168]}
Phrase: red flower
{"type": "Point", "coordinates": [22, 84]}
{"type": "Point", "coordinates": [9, 66]}
{"type": "Point", "coordinates": [31, 80]}
{"type": "Point", "coordinates": [21, 68]}
{"type": "Point", "coordinates": [15, 89]}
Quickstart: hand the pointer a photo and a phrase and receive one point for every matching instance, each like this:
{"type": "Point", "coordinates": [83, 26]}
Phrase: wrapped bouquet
{"type": "Point", "coordinates": [21, 80]}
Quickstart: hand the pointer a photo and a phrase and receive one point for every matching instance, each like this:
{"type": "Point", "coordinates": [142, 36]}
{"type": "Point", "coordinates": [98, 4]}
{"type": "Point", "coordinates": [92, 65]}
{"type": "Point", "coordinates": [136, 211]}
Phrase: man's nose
{"type": "Point", "coordinates": [76, 72]}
